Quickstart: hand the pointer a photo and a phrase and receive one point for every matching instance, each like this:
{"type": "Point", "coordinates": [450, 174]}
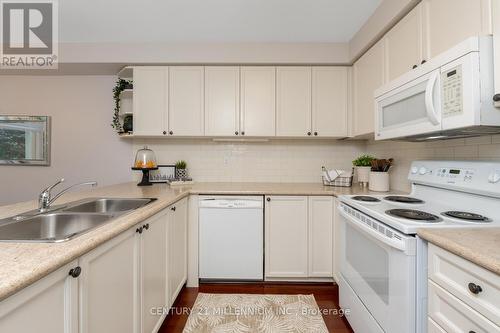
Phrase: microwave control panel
{"type": "Point", "coordinates": [452, 94]}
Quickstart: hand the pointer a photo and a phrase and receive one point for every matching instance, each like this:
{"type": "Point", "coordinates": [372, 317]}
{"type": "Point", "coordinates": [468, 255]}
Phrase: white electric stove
{"type": "Point", "coordinates": [383, 264]}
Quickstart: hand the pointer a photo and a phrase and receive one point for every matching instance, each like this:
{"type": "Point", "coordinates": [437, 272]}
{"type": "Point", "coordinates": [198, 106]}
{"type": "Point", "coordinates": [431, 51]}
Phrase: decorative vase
{"type": "Point", "coordinates": [363, 174]}
{"type": "Point", "coordinates": [379, 181]}
{"type": "Point", "coordinates": [181, 173]}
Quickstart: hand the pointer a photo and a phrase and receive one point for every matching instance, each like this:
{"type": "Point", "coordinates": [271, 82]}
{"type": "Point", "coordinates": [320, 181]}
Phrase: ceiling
{"type": "Point", "coordinates": [209, 21]}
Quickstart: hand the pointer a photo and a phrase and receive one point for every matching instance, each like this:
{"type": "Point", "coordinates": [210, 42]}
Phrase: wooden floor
{"type": "Point", "coordinates": [326, 295]}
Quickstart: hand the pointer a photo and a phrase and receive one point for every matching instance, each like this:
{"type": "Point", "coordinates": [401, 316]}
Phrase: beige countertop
{"type": "Point", "coordinates": [21, 264]}
{"type": "Point", "coordinates": [478, 245]}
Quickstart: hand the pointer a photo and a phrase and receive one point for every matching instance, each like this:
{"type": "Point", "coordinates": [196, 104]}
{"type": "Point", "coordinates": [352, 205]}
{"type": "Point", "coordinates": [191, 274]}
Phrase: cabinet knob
{"type": "Point", "coordinates": [472, 332]}
{"type": "Point", "coordinates": [171, 132]}
{"type": "Point", "coordinates": [139, 230]}
{"type": "Point", "coordinates": [496, 98]}
{"type": "Point", "coordinates": [308, 133]}
{"type": "Point", "coordinates": [173, 208]}
{"type": "Point", "coordinates": [75, 272]}
{"type": "Point", "coordinates": [423, 62]}
{"type": "Point", "coordinates": [243, 133]}
{"type": "Point", "coordinates": [146, 226]}
{"type": "Point", "coordinates": [414, 66]}
{"type": "Point", "coordinates": [164, 132]}
{"type": "Point", "coordinates": [474, 288]}
{"type": "Point", "coordinates": [236, 133]}
{"type": "Point", "coordinates": [316, 133]}
{"type": "Point", "coordinates": [268, 199]}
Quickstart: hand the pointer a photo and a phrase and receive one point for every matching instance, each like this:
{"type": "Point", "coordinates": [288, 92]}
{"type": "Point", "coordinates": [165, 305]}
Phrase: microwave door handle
{"type": "Point", "coordinates": [429, 99]}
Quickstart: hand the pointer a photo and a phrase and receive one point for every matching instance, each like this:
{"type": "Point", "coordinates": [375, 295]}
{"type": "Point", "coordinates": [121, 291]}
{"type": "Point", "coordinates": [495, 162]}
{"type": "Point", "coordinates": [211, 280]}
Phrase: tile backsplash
{"type": "Point", "coordinates": [272, 161]}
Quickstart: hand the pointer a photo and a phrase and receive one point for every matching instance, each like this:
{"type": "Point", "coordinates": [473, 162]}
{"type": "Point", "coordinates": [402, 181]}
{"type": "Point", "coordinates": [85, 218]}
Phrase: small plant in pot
{"type": "Point", "coordinates": [363, 166]}
{"type": "Point", "coordinates": [181, 170]}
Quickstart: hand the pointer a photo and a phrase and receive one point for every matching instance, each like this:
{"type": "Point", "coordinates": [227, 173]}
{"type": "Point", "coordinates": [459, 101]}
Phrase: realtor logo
{"type": "Point", "coordinates": [29, 34]}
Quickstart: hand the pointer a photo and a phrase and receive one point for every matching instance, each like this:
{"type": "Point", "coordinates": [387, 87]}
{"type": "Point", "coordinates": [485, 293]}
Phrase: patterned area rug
{"type": "Point", "coordinates": [242, 313]}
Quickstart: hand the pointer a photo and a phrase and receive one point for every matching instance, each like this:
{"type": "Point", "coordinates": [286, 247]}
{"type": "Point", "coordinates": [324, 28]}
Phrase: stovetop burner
{"type": "Point", "coordinates": [365, 198]}
{"type": "Point", "coordinates": [403, 199]}
{"type": "Point", "coordinates": [466, 216]}
{"type": "Point", "coordinates": [413, 214]}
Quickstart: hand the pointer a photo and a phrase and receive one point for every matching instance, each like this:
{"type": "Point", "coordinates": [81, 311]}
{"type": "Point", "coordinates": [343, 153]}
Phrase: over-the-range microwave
{"type": "Point", "coordinates": [450, 96]}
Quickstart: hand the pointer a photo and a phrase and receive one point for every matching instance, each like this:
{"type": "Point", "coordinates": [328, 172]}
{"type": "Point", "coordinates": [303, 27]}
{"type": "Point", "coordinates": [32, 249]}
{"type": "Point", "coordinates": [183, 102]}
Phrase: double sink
{"type": "Point", "coordinates": [67, 221]}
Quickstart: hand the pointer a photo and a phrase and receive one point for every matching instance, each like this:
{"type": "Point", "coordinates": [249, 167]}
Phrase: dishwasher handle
{"type": "Point", "coordinates": [231, 203]}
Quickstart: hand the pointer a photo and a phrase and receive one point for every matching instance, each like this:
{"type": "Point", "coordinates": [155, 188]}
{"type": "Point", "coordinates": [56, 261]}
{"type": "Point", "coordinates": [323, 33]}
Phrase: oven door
{"type": "Point", "coordinates": [378, 264]}
{"type": "Point", "coordinates": [411, 109]}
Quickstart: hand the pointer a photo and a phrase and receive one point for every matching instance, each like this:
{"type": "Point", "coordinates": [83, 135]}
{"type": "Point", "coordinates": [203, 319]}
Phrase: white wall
{"type": "Point", "coordinates": [84, 146]}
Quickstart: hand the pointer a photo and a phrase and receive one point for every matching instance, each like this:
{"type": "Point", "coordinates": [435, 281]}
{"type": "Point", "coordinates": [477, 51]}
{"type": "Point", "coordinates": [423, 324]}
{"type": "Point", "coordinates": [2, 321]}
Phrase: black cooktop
{"type": "Point", "coordinates": [365, 198]}
{"type": "Point", "coordinates": [412, 214]}
{"type": "Point", "coordinates": [466, 216]}
{"type": "Point", "coordinates": [403, 199]}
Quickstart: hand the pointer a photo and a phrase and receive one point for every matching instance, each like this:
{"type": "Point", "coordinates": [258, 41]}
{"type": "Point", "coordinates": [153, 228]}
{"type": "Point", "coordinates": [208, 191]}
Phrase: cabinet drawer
{"type": "Point", "coordinates": [432, 327]}
{"type": "Point", "coordinates": [453, 315]}
{"type": "Point", "coordinates": [460, 277]}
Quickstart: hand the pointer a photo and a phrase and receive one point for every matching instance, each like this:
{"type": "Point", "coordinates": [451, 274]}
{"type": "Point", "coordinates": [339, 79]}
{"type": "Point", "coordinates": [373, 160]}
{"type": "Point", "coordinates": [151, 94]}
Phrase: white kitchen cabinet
{"type": "Point", "coordinates": [109, 286]}
{"type": "Point", "coordinates": [150, 100]}
{"type": "Point", "coordinates": [449, 22]}
{"type": "Point", "coordinates": [336, 241]}
{"type": "Point", "coordinates": [154, 294]}
{"type": "Point", "coordinates": [329, 101]}
{"type": "Point", "coordinates": [258, 101]}
{"type": "Point", "coordinates": [186, 101]}
{"type": "Point", "coordinates": [293, 101]}
{"type": "Point", "coordinates": [368, 75]}
{"type": "Point", "coordinates": [496, 48]}
{"type": "Point", "coordinates": [222, 100]}
{"type": "Point", "coordinates": [50, 305]}
{"type": "Point", "coordinates": [177, 249]}
{"type": "Point", "coordinates": [404, 44]}
{"type": "Point", "coordinates": [320, 236]}
{"type": "Point", "coordinates": [286, 241]}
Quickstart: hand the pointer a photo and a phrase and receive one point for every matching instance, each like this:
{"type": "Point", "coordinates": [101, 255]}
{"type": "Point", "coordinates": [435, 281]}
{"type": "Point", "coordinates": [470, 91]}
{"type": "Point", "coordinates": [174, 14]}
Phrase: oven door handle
{"type": "Point", "coordinates": [396, 244]}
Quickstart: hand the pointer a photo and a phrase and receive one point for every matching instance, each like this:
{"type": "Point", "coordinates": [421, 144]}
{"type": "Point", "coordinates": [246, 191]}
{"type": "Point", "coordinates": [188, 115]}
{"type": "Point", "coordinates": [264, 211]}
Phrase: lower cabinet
{"type": "Point", "coordinates": [50, 305]}
{"type": "Point", "coordinates": [336, 241]}
{"type": "Point", "coordinates": [177, 249]}
{"type": "Point", "coordinates": [298, 237]}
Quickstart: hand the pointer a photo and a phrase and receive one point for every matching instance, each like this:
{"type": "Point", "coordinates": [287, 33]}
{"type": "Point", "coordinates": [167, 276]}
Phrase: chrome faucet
{"type": "Point", "coordinates": [45, 198]}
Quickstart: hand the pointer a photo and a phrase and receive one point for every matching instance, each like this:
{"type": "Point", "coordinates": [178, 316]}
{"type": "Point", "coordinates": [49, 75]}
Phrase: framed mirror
{"type": "Point", "coordinates": [24, 140]}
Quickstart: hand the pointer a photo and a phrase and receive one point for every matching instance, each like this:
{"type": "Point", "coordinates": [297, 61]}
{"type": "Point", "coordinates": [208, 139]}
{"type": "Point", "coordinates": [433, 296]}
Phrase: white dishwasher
{"type": "Point", "coordinates": [231, 238]}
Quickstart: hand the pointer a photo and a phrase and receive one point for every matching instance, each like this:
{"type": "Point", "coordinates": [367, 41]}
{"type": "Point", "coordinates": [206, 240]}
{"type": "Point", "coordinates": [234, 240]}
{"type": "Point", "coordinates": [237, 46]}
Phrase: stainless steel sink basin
{"type": "Point", "coordinates": [105, 205]}
{"type": "Point", "coordinates": [52, 227]}
{"type": "Point", "coordinates": [65, 222]}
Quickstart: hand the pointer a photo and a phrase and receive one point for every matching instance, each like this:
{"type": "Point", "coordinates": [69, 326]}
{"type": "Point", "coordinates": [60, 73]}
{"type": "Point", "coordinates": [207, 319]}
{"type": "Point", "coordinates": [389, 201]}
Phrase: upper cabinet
{"type": "Point", "coordinates": [222, 100]}
{"type": "Point", "coordinates": [368, 75]}
{"type": "Point", "coordinates": [448, 22]}
{"type": "Point", "coordinates": [186, 104]}
{"type": "Point", "coordinates": [293, 101]}
{"type": "Point", "coordinates": [404, 44]}
{"type": "Point", "coordinates": [258, 101]}
{"type": "Point", "coordinates": [150, 100]}
{"type": "Point", "coordinates": [329, 101]}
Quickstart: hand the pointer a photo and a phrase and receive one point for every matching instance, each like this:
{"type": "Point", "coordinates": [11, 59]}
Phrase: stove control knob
{"type": "Point", "coordinates": [414, 170]}
{"type": "Point", "coordinates": [494, 177]}
{"type": "Point", "coordinates": [422, 171]}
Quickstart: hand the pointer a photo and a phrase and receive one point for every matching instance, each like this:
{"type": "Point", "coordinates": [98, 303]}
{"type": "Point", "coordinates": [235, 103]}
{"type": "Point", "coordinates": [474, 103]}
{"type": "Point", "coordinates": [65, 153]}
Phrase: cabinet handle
{"type": "Point", "coordinates": [414, 66]}
{"type": "Point", "coordinates": [472, 332]}
{"type": "Point", "coordinates": [496, 98]}
{"type": "Point", "coordinates": [243, 133]}
{"type": "Point", "coordinates": [146, 226]}
{"type": "Point", "coordinates": [171, 132]}
{"type": "Point", "coordinates": [316, 133]}
{"type": "Point", "coordinates": [268, 199]}
{"type": "Point", "coordinates": [236, 133]}
{"type": "Point", "coordinates": [139, 230]}
{"type": "Point", "coordinates": [164, 132]}
{"type": "Point", "coordinates": [173, 208]}
{"type": "Point", "coordinates": [308, 133]}
{"type": "Point", "coordinates": [474, 288]}
{"type": "Point", "coordinates": [75, 272]}
{"type": "Point", "coordinates": [423, 62]}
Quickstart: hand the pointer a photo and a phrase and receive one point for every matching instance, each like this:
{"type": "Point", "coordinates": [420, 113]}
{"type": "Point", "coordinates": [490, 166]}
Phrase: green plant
{"type": "Point", "coordinates": [363, 161]}
{"type": "Point", "coordinates": [120, 86]}
{"type": "Point", "coordinates": [181, 164]}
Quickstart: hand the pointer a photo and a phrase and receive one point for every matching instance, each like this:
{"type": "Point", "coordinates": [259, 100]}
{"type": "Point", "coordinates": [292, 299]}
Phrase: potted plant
{"type": "Point", "coordinates": [363, 166]}
{"type": "Point", "coordinates": [181, 170]}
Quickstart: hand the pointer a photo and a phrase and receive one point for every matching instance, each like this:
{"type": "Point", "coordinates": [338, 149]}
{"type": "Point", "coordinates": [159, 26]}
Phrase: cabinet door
{"type": "Point", "coordinates": [286, 236]}
{"type": "Point", "coordinates": [449, 22]}
{"type": "Point", "coordinates": [329, 101]}
{"type": "Point", "coordinates": [496, 47]}
{"type": "Point", "coordinates": [177, 249]}
{"type": "Point", "coordinates": [336, 241]}
{"type": "Point", "coordinates": [153, 271]}
{"type": "Point", "coordinates": [150, 100]}
{"type": "Point", "coordinates": [293, 101]}
{"type": "Point", "coordinates": [404, 44]}
{"type": "Point", "coordinates": [368, 74]}
{"type": "Point", "coordinates": [185, 112]}
{"type": "Point", "coordinates": [222, 101]}
{"type": "Point", "coordinates": [258, 101]}
{"type": "Point", "coordinates": [109, 286]}
{"type": "Point", "coordinates": [50, 305]}
{"type": "Point", "coordinates": [320, 236]}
